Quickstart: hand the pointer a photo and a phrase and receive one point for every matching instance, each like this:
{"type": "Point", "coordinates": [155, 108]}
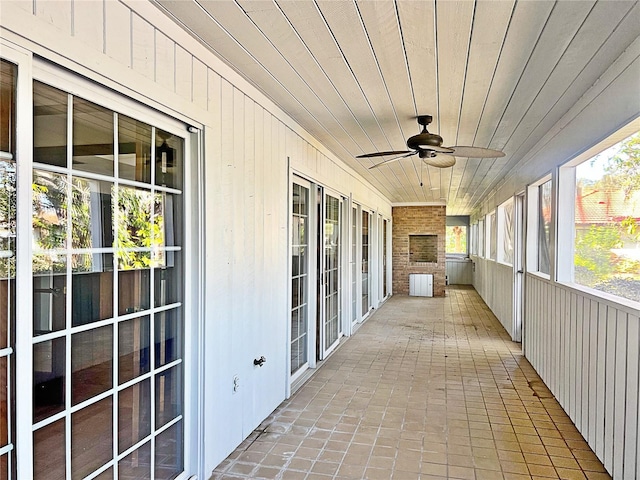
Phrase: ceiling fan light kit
{"type": "Point", "coordinates": [429, 148]}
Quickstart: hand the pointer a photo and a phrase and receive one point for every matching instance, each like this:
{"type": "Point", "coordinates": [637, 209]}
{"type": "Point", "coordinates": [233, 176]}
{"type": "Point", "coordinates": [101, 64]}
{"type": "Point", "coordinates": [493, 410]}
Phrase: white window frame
{"type": "Point", "coordinates": [565, 194]}
{"type": "Point", "coordinates": [501, 230]}
{"type": "Point", "coordinates": [533, 200]}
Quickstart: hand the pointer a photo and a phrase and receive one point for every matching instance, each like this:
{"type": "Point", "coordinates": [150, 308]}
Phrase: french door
{"type": "Point", "coordinates": [366, 262]}
{"type": "Point", "coordinates": [98, 206]}
{"type": "Point", "coordinates": [331, 268]}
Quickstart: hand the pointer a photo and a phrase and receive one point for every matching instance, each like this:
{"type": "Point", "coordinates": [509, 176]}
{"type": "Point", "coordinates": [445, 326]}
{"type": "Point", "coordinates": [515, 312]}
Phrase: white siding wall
{"type": "Point", "coordinates": [250, 147]}
{"type": "Point", "coordinates": [459, 272]}
{"type": "Point", "coordinates": [585, 348]}
{"type": "Point", "coordinates": [494, 283]}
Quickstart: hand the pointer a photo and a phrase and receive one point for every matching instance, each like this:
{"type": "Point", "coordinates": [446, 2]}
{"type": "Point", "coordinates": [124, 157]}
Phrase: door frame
{"type": "Point", "coordinates": [519, 245]}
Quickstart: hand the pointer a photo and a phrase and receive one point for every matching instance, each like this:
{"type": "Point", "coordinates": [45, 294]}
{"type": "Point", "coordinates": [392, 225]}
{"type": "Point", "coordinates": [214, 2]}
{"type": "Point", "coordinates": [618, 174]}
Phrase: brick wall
{"type": "Point", "coordinates": [418, 221]}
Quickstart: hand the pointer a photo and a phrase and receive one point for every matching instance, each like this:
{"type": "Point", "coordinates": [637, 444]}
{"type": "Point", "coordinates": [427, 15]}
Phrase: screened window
{"type": "Point", "coordinates": [505, 232]}
{"type": "Point", "coordinates": [607, 220]}
{"type": "Point", "coordinates": [491, 230]}
{"type": "Point", "coordinates": [544, 227]}
{"type": "Point", "coordinates": [457, 240]}
{"type": "Point", "coordinates": [481, 238]}
{"type": "Point", "coordinates": [474, 239]}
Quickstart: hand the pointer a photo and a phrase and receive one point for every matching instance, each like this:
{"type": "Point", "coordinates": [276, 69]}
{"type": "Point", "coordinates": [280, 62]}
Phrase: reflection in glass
{"type": "Point", "coordinates": [169, 461]}
{"type": "Point", "coordinates": [166, 206]}
{"type": "Point", "coordinates": [49, 293]}
{"type": "Point", "coordinates": [134, 226]}
{"type": "Point", "coordinates": [92, 283]}
{"type": "Point", "coordinates": [48, 378]}
{"type": "Point", "coordinates": [134, 414]}
{"type": "Point", "coordinates": [92, 138]}
{"type": "Point", "coordinates": [544, 227]}
{"type": "Point", "coordinates": [168, 395]}
{"type": "Point", "coordinates": [91, 437]}
{"type": "Point", "coordinates": [133, 349]}
{"type": "Point", "coordinates": [49, 200]}
{"type": "Point", "coordinates": [134, 150]}
{"type": "Point", "coordinates": [167, 279]}
{"type": "Point", "coordinates": [4, 411]}
{"type": "Point", "coordinates": [91, 363]}
{"type": "Point", "coordinates": [7, 245]}
{"type": "Point", "coordinates": [134, 293]}
{"type": "Point", "coordinates": [48, 452]}
{"type": "Point", "coordinates": [169, 159]}
{"type": "Point", "coordinates": [91, 213]}
{"type": "Point", "coordinates": [168, 336]}
{"type": "Point", "coordinates": [49, 125]}
{"type": "Point", "coordinates": [136, 465]}
{"type": "Point", "coordinates": [7, 107]}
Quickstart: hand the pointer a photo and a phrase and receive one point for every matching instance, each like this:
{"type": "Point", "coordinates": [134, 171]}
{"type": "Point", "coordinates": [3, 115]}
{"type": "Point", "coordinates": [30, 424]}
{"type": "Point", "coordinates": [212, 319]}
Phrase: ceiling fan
{"type": "Point", "coordinates": [428, 146]}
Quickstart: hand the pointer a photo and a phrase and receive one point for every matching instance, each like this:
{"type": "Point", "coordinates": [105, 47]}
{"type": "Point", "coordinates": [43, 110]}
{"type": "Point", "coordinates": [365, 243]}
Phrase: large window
{"type": "Point", "coordinates": [505, 232]}
{"type": "Point", "coordinates": [457, 240]}
{"type": "Point", "coordinates": [607, 220]}
{"type": "Point", "coordinates": [107, 326]}
{"type": "Point", "coordinates": [491, 230]}
{"type": "Point", "coordinates": [481, 238]}
{"type": "Point", "coordinates": [474, 239]}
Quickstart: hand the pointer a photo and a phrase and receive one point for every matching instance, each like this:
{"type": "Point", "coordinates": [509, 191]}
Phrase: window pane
{"type": "Point", "coordinates": [91, 438]}
{"type": "Point", "coordinates": [168, 395]}
{"type": "Point", "coordinates": [48, 378]}
{"type": "Point", "coordinates": [92, 282]}
{"type": "Point", "coordinates": [7, 248]}
{"type": "Point", "coordinates": [505, 237]}
{"type": "Point", "coordinates": [167, 208]}
{"type": "Point", "coordinates": [4, 411]}
{"type": "Point", "coordinates": [49, 293]}
{"type": "Point", "coordinates": [134, 414]}
{"type": "Point", "coordinates": [456, 240]}
{"type": "Point", "coordinates": [92, 138]}
{"type": "Point", "coordinates": [492, 236]}
{"type": "Point", "coordinates": [134, 293]}
{"type": "Point", "coordinates": [49, 452]}
{"type": "Point", "coordinates": [544, 227]}
{"type": "Point", "coordinates": [134, 224]}
{"type": "Point", "coordinates": [168, 458]}
{"type": "Point", "coordinates": [136, 465]}
{"type": "Point", "coordinates": [7, 107]}
{"type": "Point", "coordinates": [91, 213]}
{"type": "Point", "coordinates": [607, 220]}
{"type": "Point", "coordinates": [168, 333]}
{"type": "Point", "coordinates": [133, 349]}
{"type": "Point", "coordinates": [169, 159]}
{"type": "Point", "coordinates": [49, 210]}
{"type": "Point", "coordinates": [168, 278]}
{"type": "Point", "coordinates": [49, 125]}
{"type": "Point", "coordinates": [91, 363]}
{"type": "Point", "coordinates": [134, 150]}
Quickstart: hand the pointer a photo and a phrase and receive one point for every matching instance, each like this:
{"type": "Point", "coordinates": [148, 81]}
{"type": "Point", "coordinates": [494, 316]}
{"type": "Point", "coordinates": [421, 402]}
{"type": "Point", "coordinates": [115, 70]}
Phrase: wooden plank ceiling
{"type": "Point", "coordinates": [355, 74]}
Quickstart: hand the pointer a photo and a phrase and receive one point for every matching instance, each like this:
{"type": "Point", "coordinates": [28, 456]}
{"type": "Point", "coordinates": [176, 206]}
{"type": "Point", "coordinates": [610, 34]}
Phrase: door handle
{"type": "Point", "coordinates": [259, 361]}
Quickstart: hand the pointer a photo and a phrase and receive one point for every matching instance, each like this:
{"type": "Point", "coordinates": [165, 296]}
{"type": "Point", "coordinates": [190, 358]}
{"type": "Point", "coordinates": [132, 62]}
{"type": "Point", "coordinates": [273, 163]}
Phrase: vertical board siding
{"type": "Point", "coordinates": [458, 272]}
{"type": "Point", "coordinates": [496, 288]}
{"type": "Point", "coordinates": [587, 352]}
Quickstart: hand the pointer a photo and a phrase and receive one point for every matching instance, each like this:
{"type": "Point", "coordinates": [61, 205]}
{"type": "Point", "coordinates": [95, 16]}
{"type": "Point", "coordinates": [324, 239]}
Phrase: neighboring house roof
{"type": "Point", "coordinates": [605, 206]}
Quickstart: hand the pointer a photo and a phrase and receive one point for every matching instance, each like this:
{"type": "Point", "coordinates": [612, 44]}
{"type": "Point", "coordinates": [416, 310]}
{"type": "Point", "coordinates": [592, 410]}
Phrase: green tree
{"type": "Point", "coordinates": [623, 168]}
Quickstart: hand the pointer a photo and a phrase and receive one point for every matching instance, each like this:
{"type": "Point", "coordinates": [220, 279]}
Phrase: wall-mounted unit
{"type": "Point", "coordinates": [421, 285]}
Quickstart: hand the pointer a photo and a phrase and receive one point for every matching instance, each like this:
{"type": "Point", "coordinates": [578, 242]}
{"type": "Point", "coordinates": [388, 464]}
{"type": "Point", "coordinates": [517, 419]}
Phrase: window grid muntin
{"type": "Point", "coordinates": [333, 309]}
{"type": "Point", "coordinates": [115, 319]}
{"type": "Point", "coordinates": [302, 281]}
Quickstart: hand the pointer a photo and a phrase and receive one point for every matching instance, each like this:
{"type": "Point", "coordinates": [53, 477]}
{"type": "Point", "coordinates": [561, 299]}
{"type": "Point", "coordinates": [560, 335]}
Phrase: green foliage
{"type": "Point", "coordinates": [593, 258]}
{"type": "Point", "coordinates": [624, 167]}
{"type": "Point", "coordinates": [456, 240]}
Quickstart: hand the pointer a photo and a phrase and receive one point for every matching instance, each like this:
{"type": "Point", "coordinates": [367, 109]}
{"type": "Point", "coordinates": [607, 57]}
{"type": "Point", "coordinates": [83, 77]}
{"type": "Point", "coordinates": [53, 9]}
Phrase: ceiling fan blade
{"type": "Point", "coordinates": [440, 160]}
{"type": "Point", "coordinates": [433, 148]}
{"type": "Point", "coordinates": [384, 154]}
{"type": "Point", "coordinates": [392, 160]}
{"type": "Point", "coordinates": [476, 152]}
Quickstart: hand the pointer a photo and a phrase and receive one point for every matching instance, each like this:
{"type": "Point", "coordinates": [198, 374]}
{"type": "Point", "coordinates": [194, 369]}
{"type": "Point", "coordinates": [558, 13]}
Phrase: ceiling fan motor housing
{"type": "Point", "coordinates": [423, 140]}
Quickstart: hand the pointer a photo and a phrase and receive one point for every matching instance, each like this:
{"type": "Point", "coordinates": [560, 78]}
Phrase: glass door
{"type": "Point", "coordinates": [385, 291]}
{"type": "Point", "coordinates": [331, 272]}
{"type": "Point", "coordinates": [8, 235]}
{"type": "Point", "coordinates": [366, 271]}
{"type": "Point", "coordinates": [107, 270]}
{"type": "Point", "coordinates": [354, 264]}
{"type": "Point", "coordinates": [299, 339]}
